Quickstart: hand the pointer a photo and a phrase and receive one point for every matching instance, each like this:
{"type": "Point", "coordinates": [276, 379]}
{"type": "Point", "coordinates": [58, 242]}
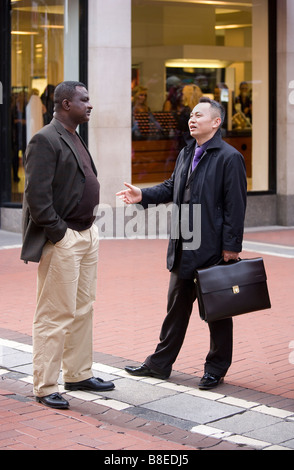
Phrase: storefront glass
{"type": "Point", "coordinates": [37, 66]}
{"type": "Point", "coordinates": [184, 49]}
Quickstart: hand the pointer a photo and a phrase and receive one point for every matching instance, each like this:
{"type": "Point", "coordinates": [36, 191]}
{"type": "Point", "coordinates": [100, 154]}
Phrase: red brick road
{"type": "Point", "coordinates": [129, 310]}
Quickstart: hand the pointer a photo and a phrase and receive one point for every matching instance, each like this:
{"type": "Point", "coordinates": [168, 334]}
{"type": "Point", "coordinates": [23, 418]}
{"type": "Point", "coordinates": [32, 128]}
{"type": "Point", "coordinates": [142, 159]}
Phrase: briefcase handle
{"type": "Point", "coordinates": [231, 261]}
{"type": "Point", "coordinates": [219, 262]}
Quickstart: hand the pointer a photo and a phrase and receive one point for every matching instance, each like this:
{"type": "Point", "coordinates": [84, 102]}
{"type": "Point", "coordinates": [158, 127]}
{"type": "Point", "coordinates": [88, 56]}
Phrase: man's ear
{"type": "Point", "coordinates": [66, 105]}
{"type": "Point", "coordinates": [217, 122]}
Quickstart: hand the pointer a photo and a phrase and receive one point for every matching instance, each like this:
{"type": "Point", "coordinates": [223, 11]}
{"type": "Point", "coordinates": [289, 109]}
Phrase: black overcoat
{"type": "Point", "coordinates": [220, 188]}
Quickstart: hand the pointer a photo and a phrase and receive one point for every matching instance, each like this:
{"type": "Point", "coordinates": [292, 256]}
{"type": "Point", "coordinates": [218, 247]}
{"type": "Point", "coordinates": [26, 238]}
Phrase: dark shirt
{"type": "Point", "coordinates": [83, 216]}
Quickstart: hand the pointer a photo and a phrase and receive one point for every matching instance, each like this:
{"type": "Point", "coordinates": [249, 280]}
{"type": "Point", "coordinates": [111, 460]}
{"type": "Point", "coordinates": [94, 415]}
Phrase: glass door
{"type": "Point", "coordinates": [37, 66]}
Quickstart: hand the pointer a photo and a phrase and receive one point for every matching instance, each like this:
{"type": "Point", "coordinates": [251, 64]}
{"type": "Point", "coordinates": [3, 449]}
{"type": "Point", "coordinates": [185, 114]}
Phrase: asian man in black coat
{"type": "Point", "coordinates": [217, 184]}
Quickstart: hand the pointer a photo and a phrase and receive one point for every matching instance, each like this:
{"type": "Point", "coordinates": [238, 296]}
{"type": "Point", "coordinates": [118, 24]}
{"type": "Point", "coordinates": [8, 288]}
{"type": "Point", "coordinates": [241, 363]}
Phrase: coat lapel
{"type": "Point", "coordinates": [63, 134]}
{"type": "Point", "coordinates": [185, 170]}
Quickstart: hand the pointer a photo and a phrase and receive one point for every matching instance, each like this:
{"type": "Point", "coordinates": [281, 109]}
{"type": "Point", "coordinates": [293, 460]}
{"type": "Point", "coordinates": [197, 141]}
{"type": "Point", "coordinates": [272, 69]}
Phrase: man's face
{"type": "Point", "coordinates": [203, 122]}
{"type": "Point", "coordinates": [80, 106]}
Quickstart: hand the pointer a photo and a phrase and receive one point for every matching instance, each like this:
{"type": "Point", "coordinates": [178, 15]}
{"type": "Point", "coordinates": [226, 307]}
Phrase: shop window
{"type": "Point", "coordinates": [44, 52]}
{"type": "Point", "coordinates": [37, 50]}
{"type": "Point", "coordinates": [182, 50]}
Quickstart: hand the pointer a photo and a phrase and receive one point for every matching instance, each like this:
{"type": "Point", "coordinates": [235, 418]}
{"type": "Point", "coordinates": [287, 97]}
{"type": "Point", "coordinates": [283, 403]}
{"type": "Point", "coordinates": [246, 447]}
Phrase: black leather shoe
{"type": "Point", "coordinates": [54, 400]}
{"type": "Point", "coordinates": [94, 384]}
{"type": "Point", "coordinates": [144, 370]}
{"type": "Point", "coordinates": [209, 381]}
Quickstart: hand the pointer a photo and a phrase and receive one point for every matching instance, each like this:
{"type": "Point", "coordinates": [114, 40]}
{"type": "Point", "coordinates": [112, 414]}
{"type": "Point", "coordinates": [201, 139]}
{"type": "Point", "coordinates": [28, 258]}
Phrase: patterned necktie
{"type": "Point", "coordinates": [198, 154]}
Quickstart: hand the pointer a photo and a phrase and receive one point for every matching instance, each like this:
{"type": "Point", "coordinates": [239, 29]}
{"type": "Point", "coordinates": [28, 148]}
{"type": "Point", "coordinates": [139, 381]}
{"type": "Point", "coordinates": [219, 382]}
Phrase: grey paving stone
{"type": "Point", "coordinates": [278, 433]}
{"type": "Point", "coordinates": [198, 410]}
{"type": "Point", "coordinates": [27, 369]}
{"type": "Point", "coordinates": [289, 444]}
{"type": "Point", "coordinates": [245, 422]}
{"type": "Point", "coordinates": [11, 358]}
{"type": "Point", "coordinates": [136, 393]}
{"type": "Point", "coordinates": [150, 415]}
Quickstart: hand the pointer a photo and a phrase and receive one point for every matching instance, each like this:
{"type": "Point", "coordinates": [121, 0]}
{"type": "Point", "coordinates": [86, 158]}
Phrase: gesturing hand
{"type": "Point", "coordinates": [132, 195]}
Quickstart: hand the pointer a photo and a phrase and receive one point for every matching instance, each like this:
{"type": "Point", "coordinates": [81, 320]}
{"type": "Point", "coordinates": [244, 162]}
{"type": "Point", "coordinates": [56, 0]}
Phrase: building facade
{"type": "Point", "coordinates": [145, 63]}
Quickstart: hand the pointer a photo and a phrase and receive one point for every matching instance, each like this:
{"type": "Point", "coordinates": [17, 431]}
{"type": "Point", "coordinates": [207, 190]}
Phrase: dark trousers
{"type": "Point", "coordinates": [181, 296]}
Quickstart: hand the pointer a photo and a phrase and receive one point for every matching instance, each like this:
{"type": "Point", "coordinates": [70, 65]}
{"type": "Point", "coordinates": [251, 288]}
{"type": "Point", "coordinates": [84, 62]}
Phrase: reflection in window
{"type": "Point", "coordinates": [37, 43]}
{"type": "Point", "coordinates": [182, 50]}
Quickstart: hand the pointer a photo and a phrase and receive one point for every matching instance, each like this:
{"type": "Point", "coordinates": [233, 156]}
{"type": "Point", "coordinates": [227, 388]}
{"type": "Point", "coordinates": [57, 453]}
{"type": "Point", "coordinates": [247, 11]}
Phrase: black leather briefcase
{"type": "Point", "coordinates": [234, 288]}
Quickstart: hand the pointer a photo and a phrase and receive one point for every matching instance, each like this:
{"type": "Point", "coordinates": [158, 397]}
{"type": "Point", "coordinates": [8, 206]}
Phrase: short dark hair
{"type": "Point", "coordinates": [66, 91]}
{"type": "Point", "coordinates": [218, 107]}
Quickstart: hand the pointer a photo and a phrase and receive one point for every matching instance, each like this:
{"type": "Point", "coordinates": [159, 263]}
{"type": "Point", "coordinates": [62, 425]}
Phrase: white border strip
{"type": "Point", "coordinates": [282, 251]}
{"type": "Point", "coordinates": [206, 394]}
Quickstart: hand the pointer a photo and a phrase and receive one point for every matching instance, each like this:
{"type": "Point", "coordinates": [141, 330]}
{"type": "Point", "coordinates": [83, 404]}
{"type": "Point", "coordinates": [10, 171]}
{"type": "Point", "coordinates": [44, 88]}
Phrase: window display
{"type": "Point", "coordinates": [37, 66]}
{"type": "Point", "coordinates": [182, 50]}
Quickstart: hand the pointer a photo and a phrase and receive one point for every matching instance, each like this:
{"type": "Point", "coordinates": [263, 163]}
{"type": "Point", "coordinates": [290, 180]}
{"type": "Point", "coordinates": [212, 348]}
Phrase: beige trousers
{"type": "Point", "coordinates": [62, 329]}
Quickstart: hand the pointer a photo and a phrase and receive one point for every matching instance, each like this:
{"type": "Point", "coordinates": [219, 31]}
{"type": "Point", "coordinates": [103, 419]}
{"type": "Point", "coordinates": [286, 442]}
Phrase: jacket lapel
{"type": "Point", "coordinates": [64, 136]}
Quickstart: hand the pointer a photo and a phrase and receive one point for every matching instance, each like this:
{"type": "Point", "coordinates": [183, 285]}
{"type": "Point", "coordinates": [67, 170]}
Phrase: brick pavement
{"type": "Point", "coordinates": [130, 306]}
{"type": "Point", "coordinates": [132, 300]}
{"type": "Point", "coordinates": [27, 425]}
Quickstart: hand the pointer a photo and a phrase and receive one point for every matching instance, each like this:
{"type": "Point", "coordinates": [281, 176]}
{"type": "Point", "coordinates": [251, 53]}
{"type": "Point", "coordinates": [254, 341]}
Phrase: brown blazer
{"type": "Point", "coordinates": [55, 182]}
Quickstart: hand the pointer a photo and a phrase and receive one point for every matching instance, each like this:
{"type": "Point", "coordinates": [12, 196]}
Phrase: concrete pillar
{"type": "Point", "coordinates": [110, 93]}
{"type": "Point", "coordinates": [260, 133]}
{"type": "Point", "coordinates": [285, 114]}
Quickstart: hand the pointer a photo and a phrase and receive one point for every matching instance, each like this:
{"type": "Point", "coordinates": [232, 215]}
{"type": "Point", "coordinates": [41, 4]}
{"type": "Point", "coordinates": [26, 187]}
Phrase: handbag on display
{"type": "Point", "coordinates": [227, 289]}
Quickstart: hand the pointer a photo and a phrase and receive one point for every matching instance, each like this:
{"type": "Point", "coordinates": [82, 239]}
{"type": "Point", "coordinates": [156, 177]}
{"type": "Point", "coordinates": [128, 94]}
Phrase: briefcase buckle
{"type": "Point", "coordinates": [236, 289]}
